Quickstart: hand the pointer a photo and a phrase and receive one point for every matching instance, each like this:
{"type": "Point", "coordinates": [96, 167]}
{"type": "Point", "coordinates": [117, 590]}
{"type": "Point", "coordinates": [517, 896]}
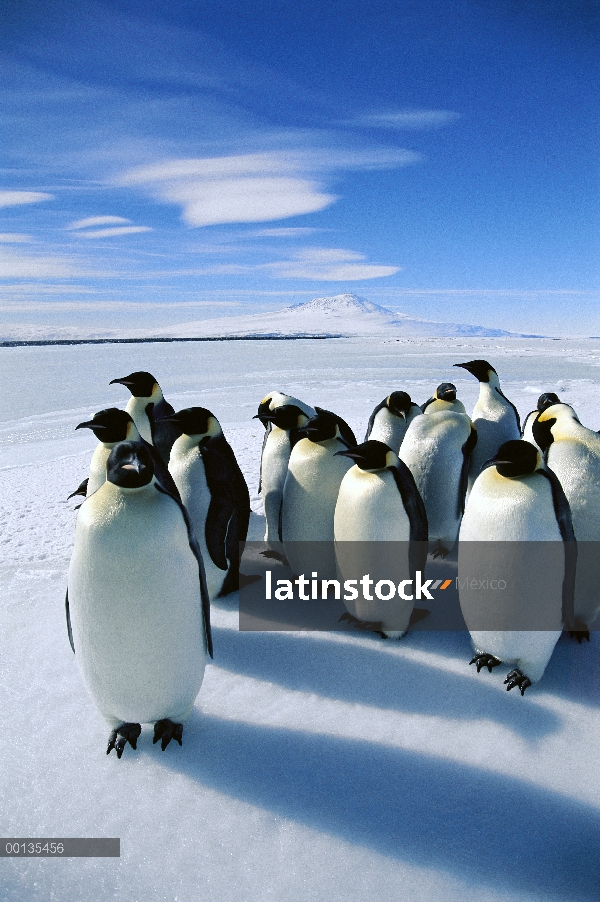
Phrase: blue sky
{"type": "Point", "coordinates": [168, 161]}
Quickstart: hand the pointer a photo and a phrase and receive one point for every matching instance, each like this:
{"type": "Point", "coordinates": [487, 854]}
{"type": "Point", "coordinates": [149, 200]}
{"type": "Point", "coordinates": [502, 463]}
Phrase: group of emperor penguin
{"type": "Point", "coordinates": [157, 536]}
{"type": "Point", "coordinates": [431, 476]}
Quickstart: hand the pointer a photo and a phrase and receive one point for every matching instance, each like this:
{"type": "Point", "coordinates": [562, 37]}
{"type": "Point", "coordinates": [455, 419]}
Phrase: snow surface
{"type": "Point", "coordinates": [342, 314]}
{"type": "Point", "coordinates": [316, 766]}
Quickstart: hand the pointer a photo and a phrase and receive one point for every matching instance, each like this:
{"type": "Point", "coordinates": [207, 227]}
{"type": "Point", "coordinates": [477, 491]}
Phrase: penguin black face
{"type": "Point", "coordinates": [446, 392]}
{"type": "Point", "coordinates": [319, 428]}
{"type": "Point", "coordinates": [371, 455]}
{"type": "Point", "coordinates": [192, 420]}
{"type": "Point", "coordinates": [140, 384]}
{"type": "Point", "coordinates": [478, 368]}
{"type": "Point", "coordinates": [516, 458]}
{"type": "Point", "coordinates": [399, 402]}
{"type": "Point", "coordinates": [542, 431]}
{"type": "Point", "coordinates": [547, 400]}
{"type": "Point", "coordinates": [109, 425]}
{"type": "Point", "coordinates": [129, 466]}
{"type": "Point", "coordinates": [285, 417]}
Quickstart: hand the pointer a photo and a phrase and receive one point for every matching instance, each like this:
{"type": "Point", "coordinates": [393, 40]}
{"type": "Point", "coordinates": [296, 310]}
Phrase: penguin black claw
{"type": "Point", "coordinates": [166, 730]}
{"type": "Point", "coordinates": [276, 556]}
{"type": "Point", "coordinates": [126, 733]}
{"type": "Point", "coordinates": [484, 660]}
{"type": "Point", "coordinates": [440, 551]}
{"type": "Point", "coordinates": [371, 626]}
{"type": "Point", "coordinates": [516, 678]}
{"type": "Point", "coordinates": [580, 635]}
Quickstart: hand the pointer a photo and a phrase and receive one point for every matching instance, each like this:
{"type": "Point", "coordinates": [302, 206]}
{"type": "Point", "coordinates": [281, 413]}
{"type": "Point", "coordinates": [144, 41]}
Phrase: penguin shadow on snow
{"type": "Point", "coordinates": [369, 675]}
{"type": "Point", "coordinates": [486, 828]}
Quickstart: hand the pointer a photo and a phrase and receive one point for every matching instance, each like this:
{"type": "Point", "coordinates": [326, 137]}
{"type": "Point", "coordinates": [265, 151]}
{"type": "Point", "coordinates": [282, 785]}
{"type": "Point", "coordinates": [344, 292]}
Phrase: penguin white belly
{"type": "Point", "coordinates": [389, 429]}
{"type": "Point", "coordinates": [187, 470]}
{"type": "Point", "coordinates": [97, 474]}
{"type": "Point", "coordinates": [309, 497]}
{"type": "Point", "coordinates": [274, 470]}
{"type": "Point", "coordinates": [496, 423]}
{"type": "Point", "coordinates": [136, 408]}
{"type": "Point", "coordinates": [135, 607]}
{"type": "Point", "coordinates": [510, 515]}
{"type": "Point", "coordinates": [370, 509]}
{"type": "Point", "coordinates": [528, 428]}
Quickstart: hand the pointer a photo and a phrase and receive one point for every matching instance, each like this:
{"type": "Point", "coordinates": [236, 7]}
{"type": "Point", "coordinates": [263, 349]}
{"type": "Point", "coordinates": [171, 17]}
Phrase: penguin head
{"type": "Point", "coordinates": [547, 419]}
{"type": "Point", "coordinates": [129, 466]}
{"type": "Point", "coordinates": [399, 403]}
{"type": "Point", "coordinates": [289, 416]}
{"type": "Point", "coordinates": [111, 425]}
{"type": "Point", "coordinates": [445, 391]}
{"type": "Point", "coordinates": [370, 455]}
{"type": "Point", "coordinates": [547, 400]}
{"type": "Point", "coordinates": [516, 458]}
{"type": "Point", "coordinates": [321, 427]}
{"type": "Point", "coordinates": [140, 384]}
{"type": "Point", "coordinates": [481, 369]}
{"type": "Point", "coordinates": [196, 422]}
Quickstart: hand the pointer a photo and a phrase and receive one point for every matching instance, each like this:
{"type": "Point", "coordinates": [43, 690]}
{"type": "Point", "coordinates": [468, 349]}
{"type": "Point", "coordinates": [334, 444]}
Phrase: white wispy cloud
{"type": "Point", "coordinates": [329, 265]}
{"type": "Point", "coordinates": [13, 238]}
{"type": "Point", "coordinates": [16, 198]}
{"type": "Point", "coordinates": [408, 119]}
{"type": "Point", "coordinates": [294, 232]}
{"type": "Point", "coordinates": [112, 233]}
{"type": "Point", "coordinates": [98, 221]}
{"type": "Point", "coordinates": [29, 266]}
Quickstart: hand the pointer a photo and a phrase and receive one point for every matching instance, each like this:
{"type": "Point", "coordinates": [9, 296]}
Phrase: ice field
{"type": "Point", "coordinates": [315, 766]}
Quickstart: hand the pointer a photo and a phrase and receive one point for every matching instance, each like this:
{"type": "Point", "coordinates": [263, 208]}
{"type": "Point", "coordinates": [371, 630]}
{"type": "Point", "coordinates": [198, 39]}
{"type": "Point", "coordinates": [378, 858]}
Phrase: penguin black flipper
{"type": "Point", "coordinates": [426, 403]}
{"type": "Point", "coordinates": [372, 419]}
{"type": "Point", "coordinates": [161, 471]}
{"type": "Point", "coordinates": [417, 516]}
{"type": "Point", "coordinates": [562, 510]}
{"type": "Point", "coordinates": [467, 450]}
{"type": "Point", "coordinates": [164, 433]}
{"type": "Point", "coordinates": [220, 478]}
{"type": "Point", "coordinates": [345, 431]}
{"type": "Point", "coordinates": [69, 629]}
{"type": "Point", "coordinates": [515, 411]}
{"type": "Point", "coordinates": [237, 529]}
{"type": "Point", "coordinates": [198, 555]}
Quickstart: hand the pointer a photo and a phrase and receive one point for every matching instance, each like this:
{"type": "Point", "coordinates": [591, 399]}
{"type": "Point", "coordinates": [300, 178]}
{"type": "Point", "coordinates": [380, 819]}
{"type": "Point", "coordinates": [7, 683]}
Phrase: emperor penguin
{"type": "Point", "coordinates": [149, 411]}
{"type": "Point", "coordinates": [547, 399]}
{"type": "Point", "coordinates": [310, 492]}
{"type": "Point", "coordinates": [573, 452]}
{"type": "Point", "coordinates": [281, 415]}
{"type": "Point", "coordinates": [111, 426]}
{"type": "Point", "coordinates": [437, 449]}
{"type": "Point", "coordinates": [138, 613]}
{"type": "Point", "coordinates": [378, 501]}
{"type": "Point", "coordinates": [517, 530]}
{"type": "Point", "coordinates": [443, 398]}
{"type": "Point", "coordinates": [495, 417]}
{"type": "Point", "coordinates": [390, 419]}
{"type": "Point", "coordinates": [214, 493]}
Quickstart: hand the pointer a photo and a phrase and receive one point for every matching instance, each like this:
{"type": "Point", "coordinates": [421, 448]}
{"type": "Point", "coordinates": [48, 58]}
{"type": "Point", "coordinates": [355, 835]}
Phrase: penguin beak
{"type": "Point", "coordinates": [264, 417]}
{"type": "Point", "coordinates": [90, 424]}
{"type": "Point", "coordinates": [351, 453]}
{"type": "Point", "coordinates": [124, 381]}
{"type": "Point", "coordinates": [463, 366]}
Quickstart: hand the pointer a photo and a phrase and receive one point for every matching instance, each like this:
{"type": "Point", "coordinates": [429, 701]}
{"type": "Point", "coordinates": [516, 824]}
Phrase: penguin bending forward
{"type": "Point", "coordinates": [390, 419]}
{"type": "Point", "coordinates": [214, 492]}
{"type": "Point", "coordinates": [149, 411]}
{"type": "Point", "coordinates": [495, 418]}
{"type": "Point", "coordinates": [543, 402]}
{"type": "Point", "coordinates": [443, 398]}
{"type": "Point", "coordinates": [378, 501]}
{"type": "Point", "coordinates": [138, 613]}
{"type": "Point", "coordinates": [573, 452]}
{"type": "Point", "coordinates": [517, 526]}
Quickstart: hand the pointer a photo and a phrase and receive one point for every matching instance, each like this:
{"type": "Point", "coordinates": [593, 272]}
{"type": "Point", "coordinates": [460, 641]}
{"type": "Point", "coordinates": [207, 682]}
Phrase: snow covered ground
{"type": "Point", "coordinates": [316, 766]}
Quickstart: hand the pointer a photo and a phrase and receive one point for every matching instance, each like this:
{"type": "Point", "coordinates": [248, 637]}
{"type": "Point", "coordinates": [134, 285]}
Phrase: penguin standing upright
{"type": "Point", "coordinates": [111, 426]}
{"type": "Point", "coordinates": [437, 448]}
{"type": "Point", "coordinates": [443, 398]}
{"type": "Point", "coordinates": [573, 452]}
{"type": "Point", "coordinates": [138, 612]}
{"type": "Point", "coordinates": [544, 401]}
{"type": "Point", "coordinates": [214, 493]}
{"type": "Point", "coordinates": [516, 564]}
{"type": "Point", "coordinates": [149, 411]}
{"type": "Point", "coordinates": [390, 419]}
{"type": "Point", "coordinates": [310, 492]}
{"type": "Point", "coordinates": [281, 415]}
{"type": "Point", "coordinates": [378, 501]}
{"type": "Point", "coordinates": [494, 416]}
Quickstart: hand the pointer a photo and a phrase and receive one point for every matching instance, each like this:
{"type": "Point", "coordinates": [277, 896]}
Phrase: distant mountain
{"type": "Point", "coordinates": [340, 315]}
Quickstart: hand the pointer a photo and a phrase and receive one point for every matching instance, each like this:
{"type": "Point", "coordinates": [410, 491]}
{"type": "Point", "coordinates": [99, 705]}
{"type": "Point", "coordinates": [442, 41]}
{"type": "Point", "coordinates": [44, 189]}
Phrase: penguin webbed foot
{"type": "Point", "coordinates": [516, 678]}
{"type": "Point", "coordinates": [440, 551]}
{"type": "Point", "coordinates": [276, 556]}
{"type": "Point", "coordinates": [165, 730]}
{"type": "Point", "coordinates": [580, 635]}
{"type": "Point", "coordinates": [126, 733]}
{"type": "Point", "coordinates": [372, 626]}
{"type": "Point", "coordinates": [246, 579]}
{"type": "Point", "coordinates": [484, 660]}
